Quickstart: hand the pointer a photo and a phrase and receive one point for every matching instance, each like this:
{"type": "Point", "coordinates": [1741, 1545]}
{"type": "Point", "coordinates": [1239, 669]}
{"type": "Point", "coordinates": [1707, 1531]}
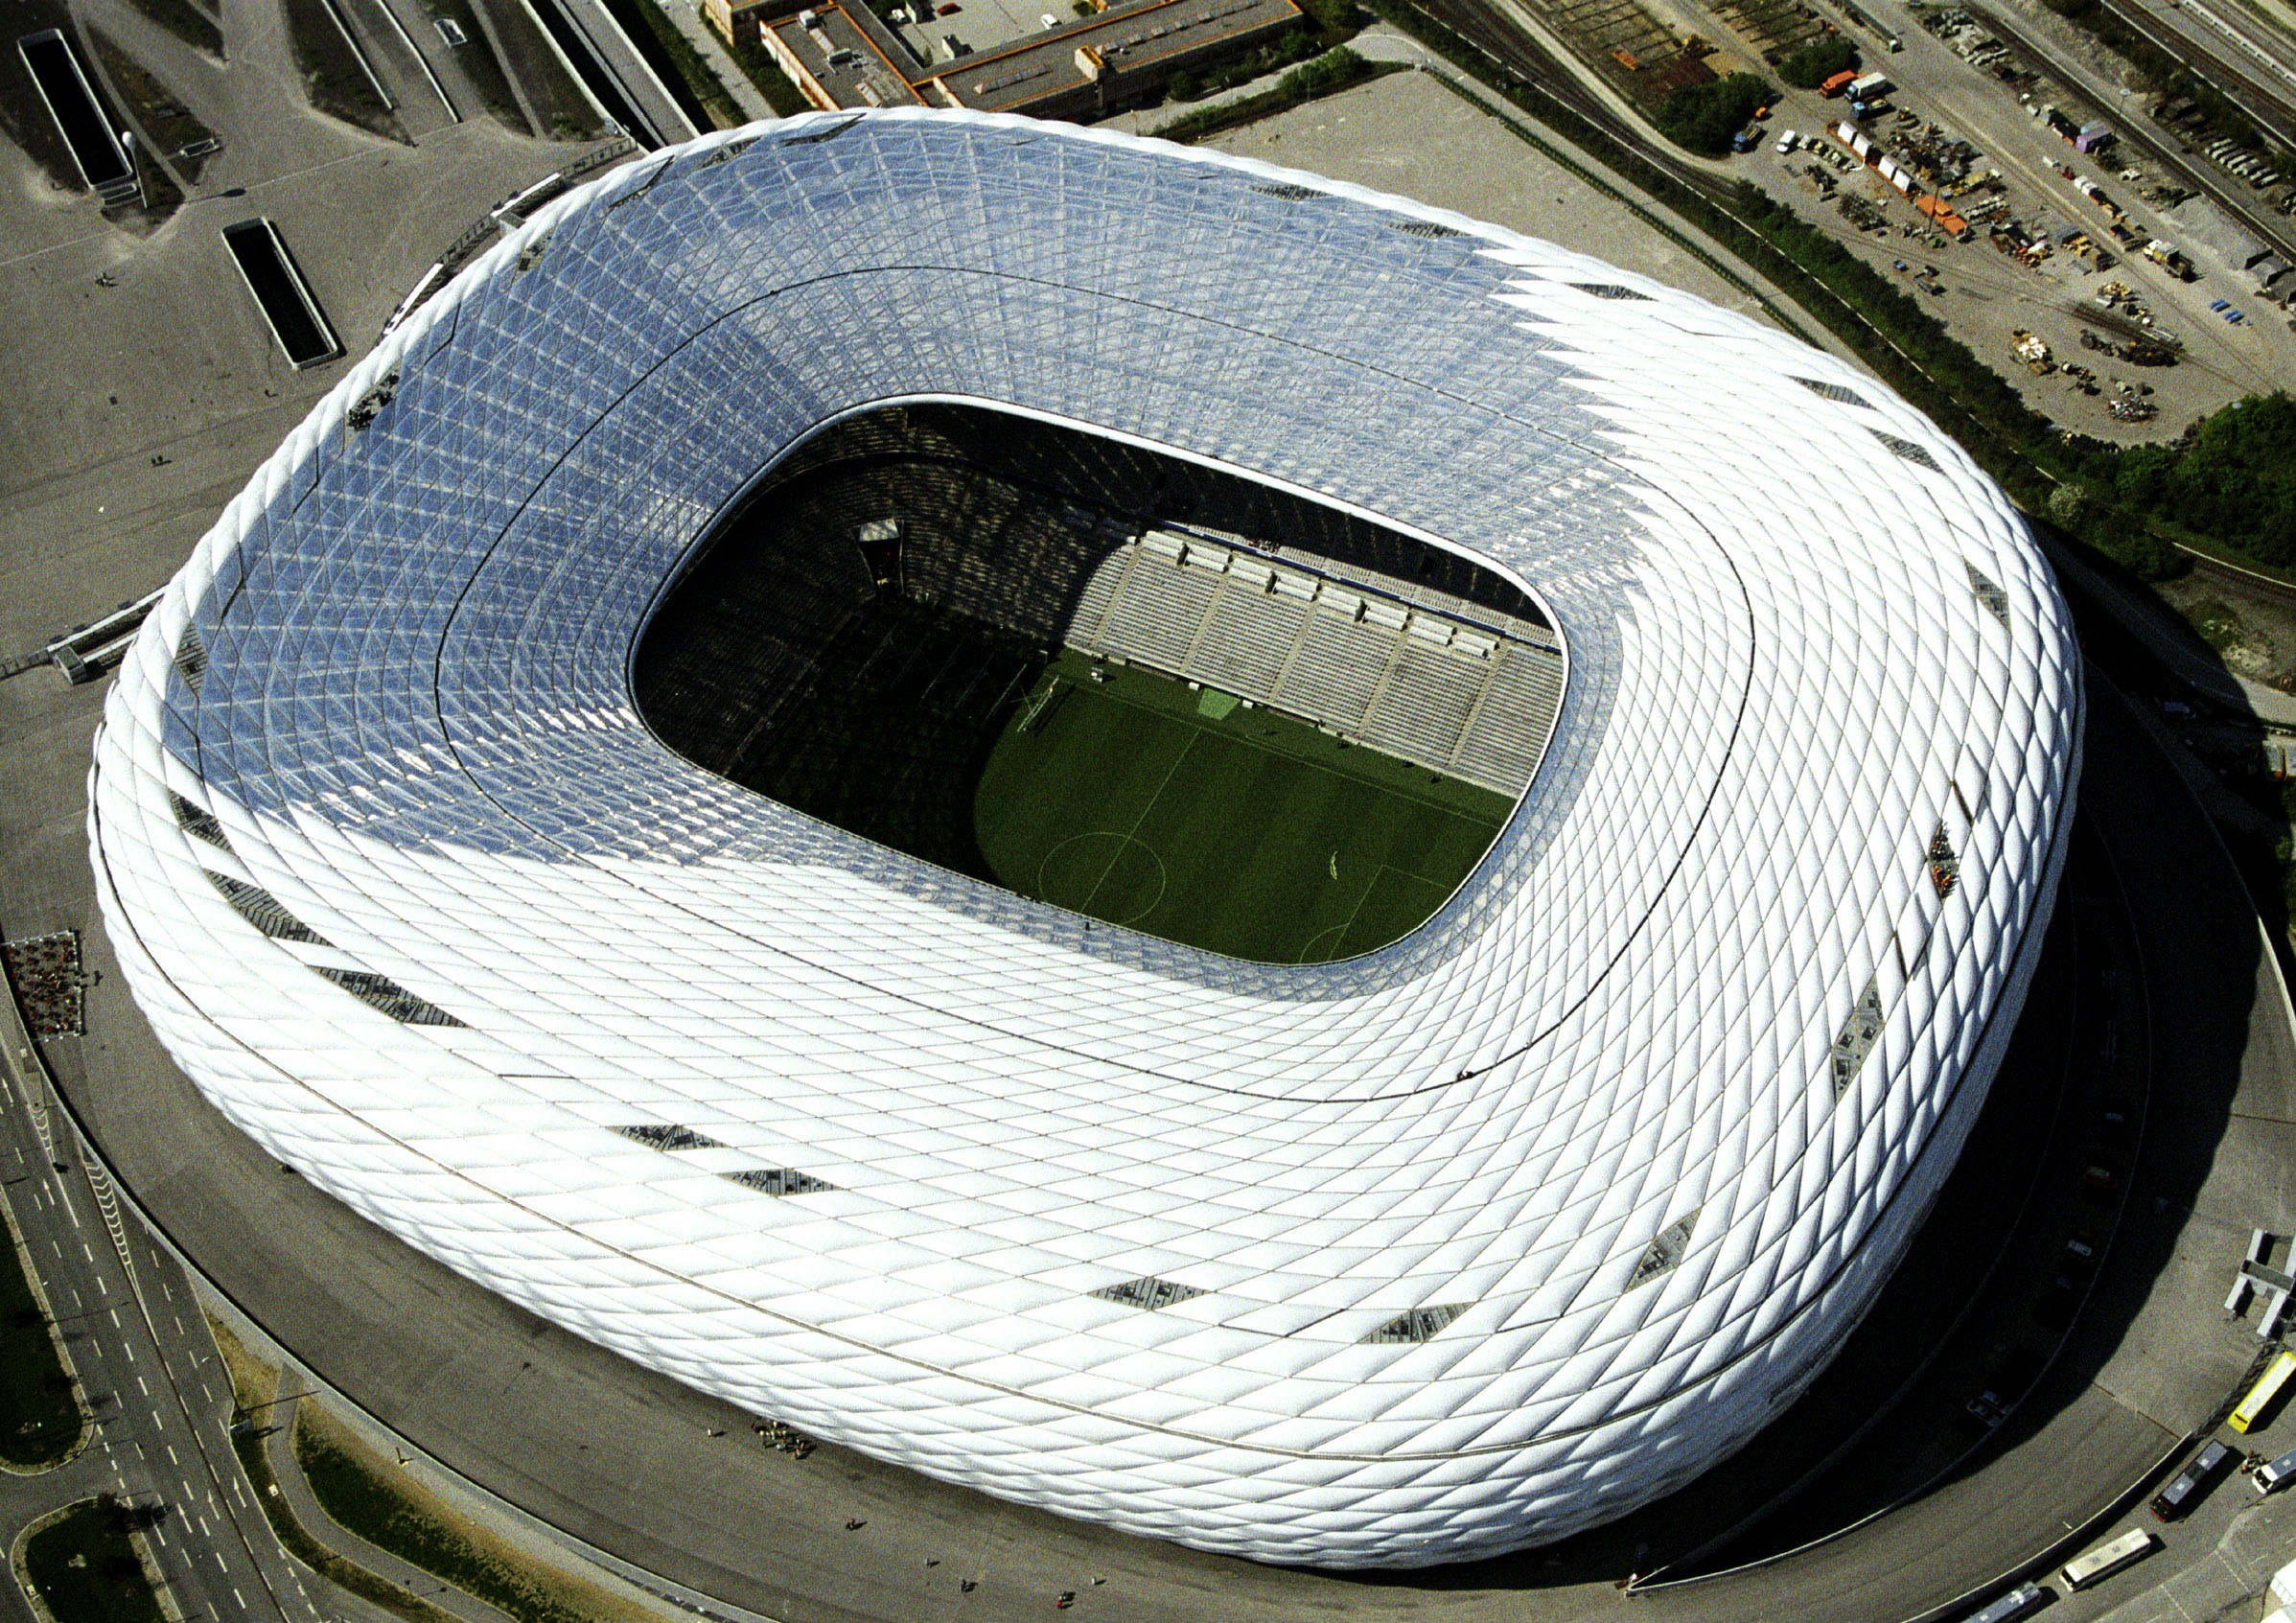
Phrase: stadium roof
{"type": "Point", "coordinates": [1460, 1246]}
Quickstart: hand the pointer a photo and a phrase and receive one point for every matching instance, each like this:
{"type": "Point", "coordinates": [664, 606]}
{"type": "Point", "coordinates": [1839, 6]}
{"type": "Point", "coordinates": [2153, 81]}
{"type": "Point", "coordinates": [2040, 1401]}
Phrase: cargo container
{"type": "Point", "coordinates": [1840, 82]}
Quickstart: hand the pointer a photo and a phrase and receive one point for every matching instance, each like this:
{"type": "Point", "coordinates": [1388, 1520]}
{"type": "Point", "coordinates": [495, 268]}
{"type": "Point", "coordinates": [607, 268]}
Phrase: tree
{"type": "Point", "coordinates": [1819, 62]}
{"type": "Point", "coordinates": [1703, 117]}
{"type": "Point", "coordinates": [2230, 477]}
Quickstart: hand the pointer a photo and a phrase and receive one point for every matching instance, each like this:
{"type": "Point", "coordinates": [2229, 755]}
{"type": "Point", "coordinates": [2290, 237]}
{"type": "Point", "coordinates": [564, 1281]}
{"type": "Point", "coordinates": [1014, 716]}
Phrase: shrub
{"type": "Point", "coordinates": [1819, 62]}
{"type": "Point", "coordinates": [2231, 476]}
{"type": "Point", "coordinates": [1703, 117]}
{"type": "Point", "coordinates": [1334, 70]}
{"type": "Point", "coordinates": [1338, 19]}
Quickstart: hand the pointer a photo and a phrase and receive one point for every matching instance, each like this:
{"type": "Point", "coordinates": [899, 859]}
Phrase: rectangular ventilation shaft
{"type": "Point", "coordinates": [779, 1181]}
{"type": "Point", "coordinates": [1990, 595]}
{"type": "Point", "coordinates": [1857, 1036]}
{"type": "Point", "coordinates": [659, 1136]}
{"type": "Point", "coordinates": [1147, 1292]}
{"type": "Point", "coordinates": [381, 992]}
{"type": "Point", "coordinates": [1420, 1324]}
{"type": "Point", "coordinates": [262, 910]}
{"type": "Point", "coordinates": [198, 823]}
{"type": "Point", "coordinates": [1835, 392]}
{"type": "Point", "coordinates": [1665, 1252]}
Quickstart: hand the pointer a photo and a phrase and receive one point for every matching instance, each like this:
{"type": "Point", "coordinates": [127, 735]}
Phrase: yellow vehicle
{"type": "Point", "coordinates": [2267, 1388]}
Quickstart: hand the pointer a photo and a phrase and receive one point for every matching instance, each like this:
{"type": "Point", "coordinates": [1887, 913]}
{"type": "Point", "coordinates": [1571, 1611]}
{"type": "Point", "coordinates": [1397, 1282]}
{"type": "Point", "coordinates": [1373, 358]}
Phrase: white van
{"type": "Point", "coordinates": [1787, 142]}
{"type": "Point", "coordinates": [2274, 1473]}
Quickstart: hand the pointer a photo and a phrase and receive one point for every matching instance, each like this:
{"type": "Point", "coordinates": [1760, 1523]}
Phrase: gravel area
{"type": "Point", "coordinates": [1408, 135]}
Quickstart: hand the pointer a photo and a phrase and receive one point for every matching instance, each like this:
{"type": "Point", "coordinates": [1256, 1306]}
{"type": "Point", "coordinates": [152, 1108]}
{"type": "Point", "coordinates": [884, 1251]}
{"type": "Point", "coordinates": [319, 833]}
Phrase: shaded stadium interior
{"type": "Point", "coordinates": [913, 584]}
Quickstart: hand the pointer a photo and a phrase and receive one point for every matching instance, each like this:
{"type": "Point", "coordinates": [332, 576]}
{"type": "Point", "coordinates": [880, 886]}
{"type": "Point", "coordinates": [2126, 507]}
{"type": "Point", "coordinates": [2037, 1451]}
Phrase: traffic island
{"type": "Point", "coordinates": [39, 1416]}
{"type": "Point", "coordinates": [85, 1565]}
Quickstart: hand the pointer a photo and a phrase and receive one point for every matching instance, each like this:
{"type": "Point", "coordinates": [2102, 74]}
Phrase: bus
{"type": "Point", "coordinates": [2267, 1388]}
{"type": "Point", "coordinates": [2024, 1598]}
{"type": "Point", "coordinates": [2107, 1558]}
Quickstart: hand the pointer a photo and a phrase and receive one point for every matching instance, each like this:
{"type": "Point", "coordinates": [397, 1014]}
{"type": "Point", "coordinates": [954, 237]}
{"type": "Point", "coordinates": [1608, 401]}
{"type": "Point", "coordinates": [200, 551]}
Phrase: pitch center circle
{"type": "Point", "coordinates": [1107, 874]}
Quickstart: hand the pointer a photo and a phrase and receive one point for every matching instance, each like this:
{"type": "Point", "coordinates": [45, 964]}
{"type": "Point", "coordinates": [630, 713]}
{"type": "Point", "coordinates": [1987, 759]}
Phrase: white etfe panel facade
{"type": "Point", "coordinates": [1464, 1245]}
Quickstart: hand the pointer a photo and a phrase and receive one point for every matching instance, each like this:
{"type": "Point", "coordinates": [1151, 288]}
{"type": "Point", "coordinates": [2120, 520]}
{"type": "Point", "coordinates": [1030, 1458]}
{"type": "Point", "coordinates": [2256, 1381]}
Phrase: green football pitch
{"type": "Point", "coordinates": [1140, 801]}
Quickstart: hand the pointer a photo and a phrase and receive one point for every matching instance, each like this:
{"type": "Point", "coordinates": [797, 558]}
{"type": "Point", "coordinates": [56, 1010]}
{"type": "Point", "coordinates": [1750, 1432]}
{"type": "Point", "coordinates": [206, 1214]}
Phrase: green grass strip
{"type": "Point", "coordinates": [366, 1502]}
{"type": "Point", "coordinates": [1183, 813]}
{"type": "Point", "coordinates": [771, 80]}
{"type": "Point", "coordinates": [692, 66]}
{"type": "Point", "coordinates": [338, 1571]}
{"type": "Point", "coordinates": [86, 1571]}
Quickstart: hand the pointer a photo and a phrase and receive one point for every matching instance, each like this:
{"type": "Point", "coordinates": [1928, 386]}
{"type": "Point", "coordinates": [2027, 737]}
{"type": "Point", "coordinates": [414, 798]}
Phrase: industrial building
{"type": "Point", "coordinates": [1047, 64]}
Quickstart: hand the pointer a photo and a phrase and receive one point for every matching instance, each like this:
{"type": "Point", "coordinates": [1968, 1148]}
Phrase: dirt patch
{"type": "Point", "coordinates": [2254, 634]}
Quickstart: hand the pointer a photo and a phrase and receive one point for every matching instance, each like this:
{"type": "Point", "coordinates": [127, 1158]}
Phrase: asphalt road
{"type": "Point", "coordinates": [150, 1376]}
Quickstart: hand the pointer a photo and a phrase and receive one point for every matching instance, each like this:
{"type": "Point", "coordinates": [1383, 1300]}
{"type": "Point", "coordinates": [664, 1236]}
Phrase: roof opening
{"type": "Point", "coordinates": [1153, 693]}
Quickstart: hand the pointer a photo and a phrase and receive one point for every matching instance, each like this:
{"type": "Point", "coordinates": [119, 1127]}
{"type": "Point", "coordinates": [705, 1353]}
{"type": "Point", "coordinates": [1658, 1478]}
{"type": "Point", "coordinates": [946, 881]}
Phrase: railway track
{"type": "Point", "coordinates": [1485, 26]}
{"type": "Point", "coordinates": [2157, 144]}
{"type": "Point", "coordinates": [2237, 79]}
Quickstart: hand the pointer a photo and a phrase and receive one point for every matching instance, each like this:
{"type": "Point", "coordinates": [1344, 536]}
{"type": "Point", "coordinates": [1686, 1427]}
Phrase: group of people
{"type": "Point", "coordinates": [45, 972]}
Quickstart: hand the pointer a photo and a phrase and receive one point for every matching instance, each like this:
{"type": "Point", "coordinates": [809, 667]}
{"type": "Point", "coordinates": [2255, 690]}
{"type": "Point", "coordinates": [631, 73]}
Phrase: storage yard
{"type": "Point", "coordinates": [2039, 232]}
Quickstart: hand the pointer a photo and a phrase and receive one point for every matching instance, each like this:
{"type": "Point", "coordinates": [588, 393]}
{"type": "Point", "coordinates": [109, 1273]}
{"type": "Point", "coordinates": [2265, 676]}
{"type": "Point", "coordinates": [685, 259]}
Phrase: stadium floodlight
{"type": "Point", "coordinates": [1451, 1247]}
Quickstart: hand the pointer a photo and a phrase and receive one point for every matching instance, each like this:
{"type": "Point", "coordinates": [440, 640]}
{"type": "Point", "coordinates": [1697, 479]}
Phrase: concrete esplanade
{"type": "Point", "coordinates": [1457, 1246]}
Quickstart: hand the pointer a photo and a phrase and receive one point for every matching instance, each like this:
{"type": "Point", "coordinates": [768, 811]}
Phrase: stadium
{"type": "Point", "coordinates": [1197, 848]}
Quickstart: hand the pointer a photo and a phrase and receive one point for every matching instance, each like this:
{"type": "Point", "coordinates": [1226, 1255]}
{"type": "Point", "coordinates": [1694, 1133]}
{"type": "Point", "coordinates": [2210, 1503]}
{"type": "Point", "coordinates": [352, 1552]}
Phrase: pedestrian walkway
{"type": "Point", "coordinates": [279, 1452]}
{"type": "Point", "coordinates": [715, 51]}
